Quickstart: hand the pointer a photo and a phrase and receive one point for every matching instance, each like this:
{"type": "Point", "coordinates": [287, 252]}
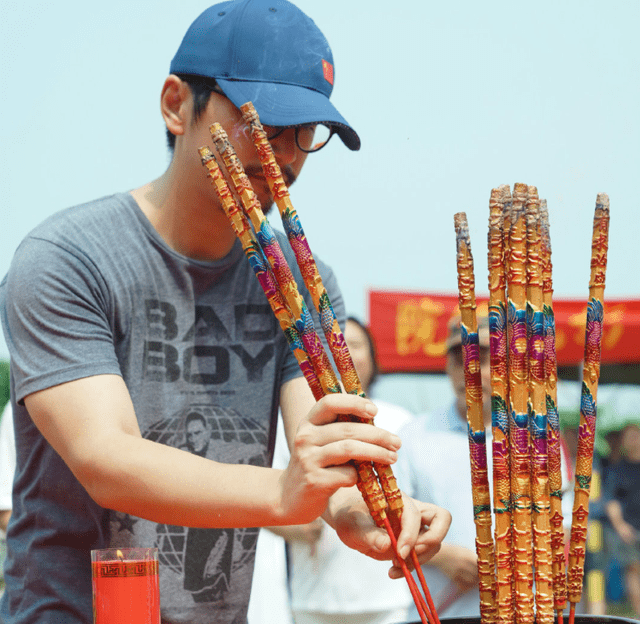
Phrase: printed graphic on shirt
{"type": "Point", "coordinates": [208, 352]}
{"type": "Point", "coordinates": [202, 563]}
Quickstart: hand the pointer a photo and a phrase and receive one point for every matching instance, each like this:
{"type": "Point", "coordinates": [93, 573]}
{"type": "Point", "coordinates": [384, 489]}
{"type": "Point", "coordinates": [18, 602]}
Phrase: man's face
{"type": "Point", "coordinates": [197, 436]}
{"type": "Point", "coordinates": [220, 109]}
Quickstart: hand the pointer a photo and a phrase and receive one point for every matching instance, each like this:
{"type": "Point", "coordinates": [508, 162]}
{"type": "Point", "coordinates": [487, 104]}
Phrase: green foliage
{"type": "Point", "coordinates": [4, 384]}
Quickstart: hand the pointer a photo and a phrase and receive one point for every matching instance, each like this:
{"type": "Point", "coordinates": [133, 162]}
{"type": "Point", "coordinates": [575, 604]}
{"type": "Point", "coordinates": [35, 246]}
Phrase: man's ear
{"type": "Point", "coordinates": [175, 100]}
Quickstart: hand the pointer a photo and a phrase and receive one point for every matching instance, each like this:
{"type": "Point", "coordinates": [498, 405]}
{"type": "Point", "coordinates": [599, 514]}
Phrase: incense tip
{"type": "Point", "coordinates": [520, 188]}
{"type": "Point", "coordinates": [602, 201]}
{"type": "Point", "coordinates": [205, 154]}
{"type": "Point", "coordinates": [217, 132]}
{"type": "Point", "coordinates": [249, 113]}
{"type": "Point", "coordinates": [459, 219]}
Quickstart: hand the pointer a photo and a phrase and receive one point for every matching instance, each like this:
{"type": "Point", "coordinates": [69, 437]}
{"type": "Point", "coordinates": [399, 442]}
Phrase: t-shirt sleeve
{"type": "Point", "coordinates": [55, 319]}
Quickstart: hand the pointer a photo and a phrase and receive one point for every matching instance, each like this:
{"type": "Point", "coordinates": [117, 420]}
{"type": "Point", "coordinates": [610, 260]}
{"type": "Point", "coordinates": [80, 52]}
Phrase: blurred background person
{"type": "Point", "coordinates": [329, 582]}
{"type": "Point", "coordinates": [7, 469]}
{"type": "Point", "coordinates": [622, 505]}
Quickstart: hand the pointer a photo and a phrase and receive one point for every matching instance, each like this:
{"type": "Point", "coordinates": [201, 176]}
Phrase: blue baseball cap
{"type": "Point", "coordinates": [270, 53]}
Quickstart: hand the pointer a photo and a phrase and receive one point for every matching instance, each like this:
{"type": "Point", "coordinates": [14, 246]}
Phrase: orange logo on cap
{"type": "Point", "coordinates": [327, 70]}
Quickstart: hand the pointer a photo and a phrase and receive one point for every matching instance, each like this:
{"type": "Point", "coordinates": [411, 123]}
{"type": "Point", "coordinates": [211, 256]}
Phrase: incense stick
{"type": "Point", "coordinates": [313, 282]}
{"type": "Point", "coordinates": [499, 405]}
{"type": "Point", "coordinates": [588, 402]}
{"type": "Point", "coordinates": [477, 437]}
{"type": "Point", "coordinates": [299, 318]}
{"type": "Point", "coordinates": [553, 421]}
{"type": "Point", "coordinates": [538, 416]}
{"type": "Point", "coordinates": [518, 398]}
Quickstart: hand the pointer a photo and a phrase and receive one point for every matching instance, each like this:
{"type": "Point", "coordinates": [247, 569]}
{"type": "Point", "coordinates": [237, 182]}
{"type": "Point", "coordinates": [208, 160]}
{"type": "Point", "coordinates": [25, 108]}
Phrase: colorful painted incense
{"type": "Point", "coordinates": [499, 405]}
{"type": "Point", "coordinates": [477, 445]}
{"type": "Point", "coordinates": [372, 492]}
{"type": "Point", "coordinates": [518, 399]}
{"type": "Point", "coordinates": [301, 323]}
{"type": "Point", "coordinates": [542, 558]}
{"type": "Point", "coordinates": [588, 402]}
{"type": "Point", "coordinates": [274, 255]}
{"type": "Point", "coordinates": [322, 303]}
{"type": "Point", "coordinates": [313, 282]}
{"type": "Point", "coordinates": [500, 197]}
{"type": "Point", "coordinates": [553, 421]}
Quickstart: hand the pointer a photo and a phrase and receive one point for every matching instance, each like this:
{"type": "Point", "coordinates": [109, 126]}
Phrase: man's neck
{"type": "Point", "coordinates": [188, 221]}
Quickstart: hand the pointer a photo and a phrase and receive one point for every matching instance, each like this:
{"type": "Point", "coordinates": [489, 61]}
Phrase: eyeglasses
{"type": "Point", "coordinates": [311, 138]}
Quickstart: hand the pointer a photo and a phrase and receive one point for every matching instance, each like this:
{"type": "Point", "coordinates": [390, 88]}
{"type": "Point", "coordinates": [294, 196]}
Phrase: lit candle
{"type": "Point", "coordinates": [125, 586]}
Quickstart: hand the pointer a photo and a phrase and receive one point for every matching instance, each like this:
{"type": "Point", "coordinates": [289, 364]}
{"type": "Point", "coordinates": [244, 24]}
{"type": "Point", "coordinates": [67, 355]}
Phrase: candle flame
{"type": "Point", "coordinates": [120, 555]}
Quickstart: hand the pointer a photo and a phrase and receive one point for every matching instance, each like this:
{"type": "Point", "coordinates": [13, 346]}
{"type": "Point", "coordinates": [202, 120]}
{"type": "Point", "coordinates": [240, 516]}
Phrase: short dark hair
{"type": "Point", "coordinates": [372, 347]}
{"type": "Point", "coordinates": [201, 88]}
{"type": "Point", "coordinates": [191, 416]}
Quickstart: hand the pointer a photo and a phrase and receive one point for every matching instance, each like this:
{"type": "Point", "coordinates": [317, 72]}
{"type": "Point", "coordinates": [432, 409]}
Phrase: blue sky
{"type": "Point", "coordinates": [450, 100]}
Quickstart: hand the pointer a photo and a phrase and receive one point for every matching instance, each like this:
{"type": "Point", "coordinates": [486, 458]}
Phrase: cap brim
{"type": "Point", "coordinates": [289, 105]}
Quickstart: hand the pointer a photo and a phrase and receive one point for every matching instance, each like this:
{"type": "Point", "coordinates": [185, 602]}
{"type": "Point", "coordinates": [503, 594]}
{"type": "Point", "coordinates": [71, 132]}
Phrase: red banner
{"type": "Point", "coordinates": [410, 329]}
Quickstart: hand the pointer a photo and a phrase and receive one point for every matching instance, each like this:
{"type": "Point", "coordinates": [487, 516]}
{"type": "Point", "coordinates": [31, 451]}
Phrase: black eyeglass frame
{"type": "Point", "coordinates": [281, 129]}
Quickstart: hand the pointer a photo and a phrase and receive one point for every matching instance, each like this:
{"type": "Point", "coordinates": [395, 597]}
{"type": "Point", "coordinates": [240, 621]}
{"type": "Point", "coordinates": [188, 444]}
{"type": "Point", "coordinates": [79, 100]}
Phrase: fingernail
{"type": "Point", "coordinates": [396, 441]}
{"type": "Point", "coordinates": [404, 551]}
{"type": "Point", "coordinates": [381, 543]}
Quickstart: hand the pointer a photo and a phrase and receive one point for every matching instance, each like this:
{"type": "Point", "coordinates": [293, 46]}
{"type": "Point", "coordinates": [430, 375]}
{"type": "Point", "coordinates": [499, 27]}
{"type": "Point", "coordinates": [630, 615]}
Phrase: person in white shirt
{"type": "Point", "coordinates": [7, 468]}
{"type": "Point", "coordinates": [330, 582]}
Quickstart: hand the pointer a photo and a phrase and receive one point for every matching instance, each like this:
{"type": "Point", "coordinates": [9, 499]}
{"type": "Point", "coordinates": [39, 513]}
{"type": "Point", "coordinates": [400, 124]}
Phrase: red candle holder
{"type": "Point", "coordinates": [125, 586]}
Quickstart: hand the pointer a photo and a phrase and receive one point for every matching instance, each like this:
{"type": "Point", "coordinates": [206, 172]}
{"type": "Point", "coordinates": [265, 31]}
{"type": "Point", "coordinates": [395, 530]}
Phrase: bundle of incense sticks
{"type": "Point", "coordinates": [528, 535]}
{"type": "Point", "coordinates": [376, 482]}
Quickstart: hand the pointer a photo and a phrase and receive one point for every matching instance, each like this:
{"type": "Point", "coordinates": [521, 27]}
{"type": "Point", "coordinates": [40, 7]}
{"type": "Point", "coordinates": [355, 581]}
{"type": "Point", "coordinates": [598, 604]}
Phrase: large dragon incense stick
{"type": "Point", "coordinates": [322, 303]}
{"type": "Point", "coordinates": [302, 251]}
{"type": "Point", "coordinates": [315, 286]}
{"type": "Point", "coordinates": [274, 255]}
{"type": "Point", "coordinates": [373, 494]}
{"type": "Point", "coordinates": [588, 402]}
{"type": "Point", "coordinates": [518, 398]}
{"type": "Point", "coordinates": [300, 320]}
{"type": "Point", "coordinates": [477, 437]}
{"type": "Point", "coordinates": [499, 406]}
{"type": "Point", "coordinates": [553, 421]}
{"type": "Point", "coordinates": [538, 416]}
{"type": "Point", "coordinates": [261, 268]}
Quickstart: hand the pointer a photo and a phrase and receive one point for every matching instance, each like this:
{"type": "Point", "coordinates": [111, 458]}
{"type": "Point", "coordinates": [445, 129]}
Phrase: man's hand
{"type": "Point", "coordinates": [424, 526]}
{"type": "Point", "coordinates": [322, 451]}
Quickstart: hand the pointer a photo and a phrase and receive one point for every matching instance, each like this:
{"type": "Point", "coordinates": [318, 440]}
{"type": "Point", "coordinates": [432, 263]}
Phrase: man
{"type": "Point", "coordinates": [434, 465]}
{"type": "Point", "coordinates": [126, 314]}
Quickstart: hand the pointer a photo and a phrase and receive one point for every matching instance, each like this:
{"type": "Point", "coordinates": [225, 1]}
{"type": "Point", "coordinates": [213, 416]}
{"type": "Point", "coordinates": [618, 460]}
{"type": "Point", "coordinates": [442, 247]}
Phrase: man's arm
{"type": "Point", "coordinates": [91, 423]}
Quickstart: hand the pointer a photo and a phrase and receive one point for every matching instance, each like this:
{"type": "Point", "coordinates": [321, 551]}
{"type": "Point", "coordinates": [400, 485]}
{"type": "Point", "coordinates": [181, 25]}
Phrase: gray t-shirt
{"type": "Point", "coordinates": [95, 290]}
